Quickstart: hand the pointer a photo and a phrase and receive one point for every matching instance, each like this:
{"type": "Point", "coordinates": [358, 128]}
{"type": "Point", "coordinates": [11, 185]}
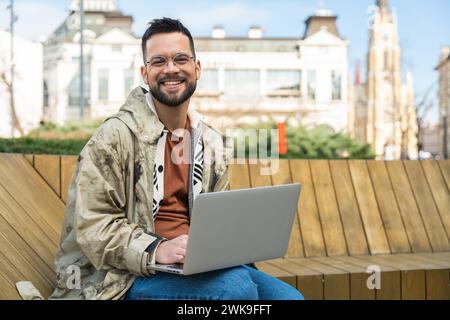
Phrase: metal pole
{"type": "Point", "coordinates": [445, 135]}
{"type": "Point", "coordinates": [81, 60]}
{"type": "Point", "coordinates": [12, 20]}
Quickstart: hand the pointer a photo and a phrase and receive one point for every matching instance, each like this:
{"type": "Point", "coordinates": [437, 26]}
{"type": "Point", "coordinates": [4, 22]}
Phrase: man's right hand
{"type": "Point", "coordinates": [172, 251]}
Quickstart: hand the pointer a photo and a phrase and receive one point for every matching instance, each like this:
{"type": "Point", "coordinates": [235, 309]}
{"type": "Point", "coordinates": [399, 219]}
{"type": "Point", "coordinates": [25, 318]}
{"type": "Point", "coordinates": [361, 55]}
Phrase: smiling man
{"type": "Point", "coordinates": [132, 192]}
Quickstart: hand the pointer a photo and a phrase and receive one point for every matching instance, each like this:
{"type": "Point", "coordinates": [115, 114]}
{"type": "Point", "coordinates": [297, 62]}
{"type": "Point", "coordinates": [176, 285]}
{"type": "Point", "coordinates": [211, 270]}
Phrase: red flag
{"type": "Point", "coordinates": [282, 143]}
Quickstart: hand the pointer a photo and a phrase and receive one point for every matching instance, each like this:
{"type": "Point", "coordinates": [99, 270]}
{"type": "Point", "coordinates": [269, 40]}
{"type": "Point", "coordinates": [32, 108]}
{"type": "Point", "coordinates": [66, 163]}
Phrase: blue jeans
{"type": "Point", "coordinates": [237, 283]}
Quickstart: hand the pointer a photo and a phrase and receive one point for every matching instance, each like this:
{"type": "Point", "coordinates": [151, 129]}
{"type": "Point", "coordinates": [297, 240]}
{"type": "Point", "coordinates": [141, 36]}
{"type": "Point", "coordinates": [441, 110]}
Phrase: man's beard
{"type": "Point", "coordinates": [167, 100]}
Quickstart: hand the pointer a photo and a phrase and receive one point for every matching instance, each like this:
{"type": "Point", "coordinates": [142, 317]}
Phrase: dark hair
{"type": "Point", "coordinates": [165, 25]}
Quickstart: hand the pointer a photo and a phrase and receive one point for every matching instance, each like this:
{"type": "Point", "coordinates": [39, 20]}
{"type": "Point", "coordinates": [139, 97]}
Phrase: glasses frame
{"type": "Point", "coordinates": [148, 63]}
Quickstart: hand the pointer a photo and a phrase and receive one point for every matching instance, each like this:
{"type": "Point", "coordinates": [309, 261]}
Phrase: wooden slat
{"type": "Point", "coordinates": [49, 168]}
{"type": "Point", "coordinates": [308, 213]}
{"type": "Point", "coordinates": [437, 276]}
{"type": "Point", "coordinates": [358, 277]}
{"type": "Point", "coordinates": [328, 208]}
{"type": "Point", "coordinates": [390, 278]}
{"type": "Point", "coordinates": [439, 189]}
{"type": "Point", "coordinates": [309, 282]}
{"type": "Point", "coordinates": [239, 176]}
{"type": "Point", "coordinates": [68, 164]}
{"type": "Point", "coordinates": [277, 272]}
{"type": "Point", "coordinates": [445, 168]}
{"type": "Point", "coordinates": [373, 225]}
{"type": "Point", "coordinates": [412, 280]}
{"type": "Point", "coordinates": [390, 214]}
{"type": "Point", "coordinates": [430, 215]}
{"type": "Point", "coordinates": [30, 158]}
{"type": "Point", "coordinates": [415, 229]}
{"type": "Point", "coordinates": [443, 257]}
{"type": "Point", "coordinates": [22, 183]}
{"type": "Point", "coordinates": [283, 176]}
{"type": "Point", "coordinates": [336, 281]}
{"type": "Point", "coordinates": [348, 207]}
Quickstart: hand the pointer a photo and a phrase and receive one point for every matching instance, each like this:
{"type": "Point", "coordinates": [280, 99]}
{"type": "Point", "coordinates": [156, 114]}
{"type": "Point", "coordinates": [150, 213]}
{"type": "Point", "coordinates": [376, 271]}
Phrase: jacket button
{"type": "Point", "coordinates": [160, 168]}
{"type": "Point", "coordinates": [161, 202]}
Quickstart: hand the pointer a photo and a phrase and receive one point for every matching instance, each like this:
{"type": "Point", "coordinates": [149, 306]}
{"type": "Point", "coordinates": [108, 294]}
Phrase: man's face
{"type": "Point", "coordinates": [170, 83]}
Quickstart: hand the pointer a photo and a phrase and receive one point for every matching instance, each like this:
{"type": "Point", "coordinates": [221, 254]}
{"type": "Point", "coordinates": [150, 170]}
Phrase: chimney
{"type": "Point", "coordinates": [255, 32]}
{"type": "Point", "coordinates": [218, 32]}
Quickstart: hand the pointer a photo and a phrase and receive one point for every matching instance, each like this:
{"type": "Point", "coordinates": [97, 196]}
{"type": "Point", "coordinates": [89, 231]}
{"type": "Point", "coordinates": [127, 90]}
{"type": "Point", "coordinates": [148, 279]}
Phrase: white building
{"type": "Point", "coordinates": [244, 79]}
{"type": "Point", "coordinates": [255, 78]}
{"type": "Point", "coordinates": [112, 58]}
{"type": "Point", "coordinates": [28, 87]}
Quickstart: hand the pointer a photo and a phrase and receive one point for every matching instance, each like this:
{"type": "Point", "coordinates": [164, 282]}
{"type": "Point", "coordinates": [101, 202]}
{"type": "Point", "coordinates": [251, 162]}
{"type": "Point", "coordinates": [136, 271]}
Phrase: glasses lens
{"type": "Point", "coordinates": [181, 59]}
{"type": "Point", "coordinates": [158, 62]}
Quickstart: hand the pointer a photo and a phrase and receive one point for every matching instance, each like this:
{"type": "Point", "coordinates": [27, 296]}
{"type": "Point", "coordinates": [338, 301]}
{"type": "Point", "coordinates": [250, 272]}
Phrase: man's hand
{"type": "Point", "coordinates": [172, 251]}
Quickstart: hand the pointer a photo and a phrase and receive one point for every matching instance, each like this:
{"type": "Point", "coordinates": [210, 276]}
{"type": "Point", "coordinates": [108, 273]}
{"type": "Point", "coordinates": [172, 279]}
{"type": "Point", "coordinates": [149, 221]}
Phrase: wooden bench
{"type": "Point", "coordinates": [393, 215]}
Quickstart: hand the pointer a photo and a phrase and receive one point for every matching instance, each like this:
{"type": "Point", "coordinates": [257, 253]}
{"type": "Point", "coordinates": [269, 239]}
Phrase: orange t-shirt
{"type": "Point", "coordinates": [172, 219]}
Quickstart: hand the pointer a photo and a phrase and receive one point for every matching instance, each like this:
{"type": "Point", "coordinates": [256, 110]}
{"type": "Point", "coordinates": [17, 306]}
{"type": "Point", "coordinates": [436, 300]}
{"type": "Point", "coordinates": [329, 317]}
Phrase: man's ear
{"type": "Point", "coordinates": [198, 69]}
{"type": "Point", "coordinates": [144, 74]}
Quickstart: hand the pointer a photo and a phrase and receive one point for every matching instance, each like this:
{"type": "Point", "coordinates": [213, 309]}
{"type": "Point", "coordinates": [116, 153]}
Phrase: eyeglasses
{"type": "Point", "coordinates": [180, 59]}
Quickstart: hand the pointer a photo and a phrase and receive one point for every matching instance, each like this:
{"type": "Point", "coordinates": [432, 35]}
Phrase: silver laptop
{"type": "Point", "coordinates": [237, 227]}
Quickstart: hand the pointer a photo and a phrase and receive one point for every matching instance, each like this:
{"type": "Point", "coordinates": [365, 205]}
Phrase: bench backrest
{"type": "Point", "coordinates": [353, 207]}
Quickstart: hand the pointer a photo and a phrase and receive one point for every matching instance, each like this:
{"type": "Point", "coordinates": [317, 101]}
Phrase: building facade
{"type": "Point", "coordinates": [384, 106]}
{"type": "Point", "coordinates": [443, 69]}
{"type": "Point", "coordinates": [112, 57]}
{"type": "Point", "coordinates": [27, 86]}
{"type": "Point", "coordinates": [244, 79]}
{"type": "Point", "coordinates": [250, 79]}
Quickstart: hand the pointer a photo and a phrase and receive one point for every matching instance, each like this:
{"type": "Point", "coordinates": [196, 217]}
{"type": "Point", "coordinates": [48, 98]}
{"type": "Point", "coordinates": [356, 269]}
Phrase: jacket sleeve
{"type": "Point", "coordinates": [103, 232]}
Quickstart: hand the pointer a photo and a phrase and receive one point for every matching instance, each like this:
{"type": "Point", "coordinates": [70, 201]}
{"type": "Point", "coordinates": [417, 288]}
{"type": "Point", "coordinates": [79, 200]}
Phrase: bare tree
{"type": "Point", "coordinates": [15, 119]}
{"type": "Point", "coordinates": [423, 107]}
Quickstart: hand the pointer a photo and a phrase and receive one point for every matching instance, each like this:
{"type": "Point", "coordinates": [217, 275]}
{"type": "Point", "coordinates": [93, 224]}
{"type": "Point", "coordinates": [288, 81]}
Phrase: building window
{"type": "Point", "coordinates": [103, 84]}
{"type": "Point", "coordinates": [283, 82]}
{"type": "Point", "coordinates": [45, 90]}
{"type": "Point", "coordinates": [74, 90]}
{"type": "Point", "coordinates": [336, 85]}
{"type": "Point", "coordinates": [242, 84]}
{"type": "Point", "coordinates": [116, 48]}
{"type": "Point", "coordinates": [128, 80]}
{"type": "Point", "coordinates": [312, 84]}
{"type": "Point", "coordinates": [209, 82]}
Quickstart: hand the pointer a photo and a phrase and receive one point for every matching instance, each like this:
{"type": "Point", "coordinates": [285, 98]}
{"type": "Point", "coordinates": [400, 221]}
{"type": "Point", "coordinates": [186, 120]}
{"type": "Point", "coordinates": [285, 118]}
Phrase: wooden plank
{"type": "Point", "coordinates": [239, 176]}
{"type": "Point", "coordinates": [387, 204]}
{"type": "Point", "coordinates": [373, 225]}
{"type": "Point", "coordinates": [25, 259]}
{"type": "Point", "coordinates": [415, 229]}
{"type": "Point", "coordinates": [308, 214]}
{"type": "Point", "coordinates": [8, 291]}
{"type": "Point", "coordinates": [328, 208]}
{"type": "Point", "coordinates": [34, 231]}
{"type": "Point", "coordinates": [443, 257]}
{"type": "Point", "coordinates": [283, 176]}
{"type": "Point", "coordinates": [390, 278]}
{"type": "Point", "coordinates": [358, 277]}
{"type": "Point", "coordinates": [445, 169]}
{"type": "Point", "coordinates": [437, 276]}
{"type": "Point", "coordinates": [440, 192]}
{"type": "Point", "coordinates": [348, 207]}
{"type": "Point", "coordinates": [49, 168]}
{"type": "Point", "coordinates": [336, 281]}
{"type": "Point", "coordinates": [309, 282]}
{"type": "Point", "coordinates": [427, 208]}
{"type": "Point", "coordinates": [30, 158]}
{"type": "Point", "coordinates": [274, 271]}
{"type": "Point", "coordinates": [68, 164]}
{"type": "Point", "coordinates": [412, 280]}
{"type": "Point", "coordinates": [21, 181]}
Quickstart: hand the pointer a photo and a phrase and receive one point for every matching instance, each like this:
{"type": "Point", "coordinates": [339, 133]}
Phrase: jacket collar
{"type": "Point", "coordinates": [142, 119]}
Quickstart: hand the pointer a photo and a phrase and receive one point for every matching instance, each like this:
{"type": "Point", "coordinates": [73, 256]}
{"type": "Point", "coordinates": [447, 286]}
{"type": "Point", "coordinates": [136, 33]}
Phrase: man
{"type": "Point", "coordinates": [131, 196]}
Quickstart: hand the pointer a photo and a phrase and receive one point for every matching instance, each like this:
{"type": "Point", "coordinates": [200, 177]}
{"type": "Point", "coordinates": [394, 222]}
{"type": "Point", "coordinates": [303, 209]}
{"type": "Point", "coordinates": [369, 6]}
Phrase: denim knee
{"type": "Point", "coordinates": [238, 285]}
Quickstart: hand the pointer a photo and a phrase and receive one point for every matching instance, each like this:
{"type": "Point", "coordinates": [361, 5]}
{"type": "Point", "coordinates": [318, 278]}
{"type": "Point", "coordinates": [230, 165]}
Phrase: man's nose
{"type": "Point", "coordinates": [171, 67]}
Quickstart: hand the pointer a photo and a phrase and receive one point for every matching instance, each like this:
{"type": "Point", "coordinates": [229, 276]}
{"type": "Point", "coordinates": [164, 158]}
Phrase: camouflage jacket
{"type": "Point", "coordinates": [108, 222]}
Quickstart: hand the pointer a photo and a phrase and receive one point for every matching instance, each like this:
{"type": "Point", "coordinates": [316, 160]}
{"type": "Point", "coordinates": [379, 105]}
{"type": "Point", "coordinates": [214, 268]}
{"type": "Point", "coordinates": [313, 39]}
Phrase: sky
{"type": "Point", "coordinates": [424, 26]}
